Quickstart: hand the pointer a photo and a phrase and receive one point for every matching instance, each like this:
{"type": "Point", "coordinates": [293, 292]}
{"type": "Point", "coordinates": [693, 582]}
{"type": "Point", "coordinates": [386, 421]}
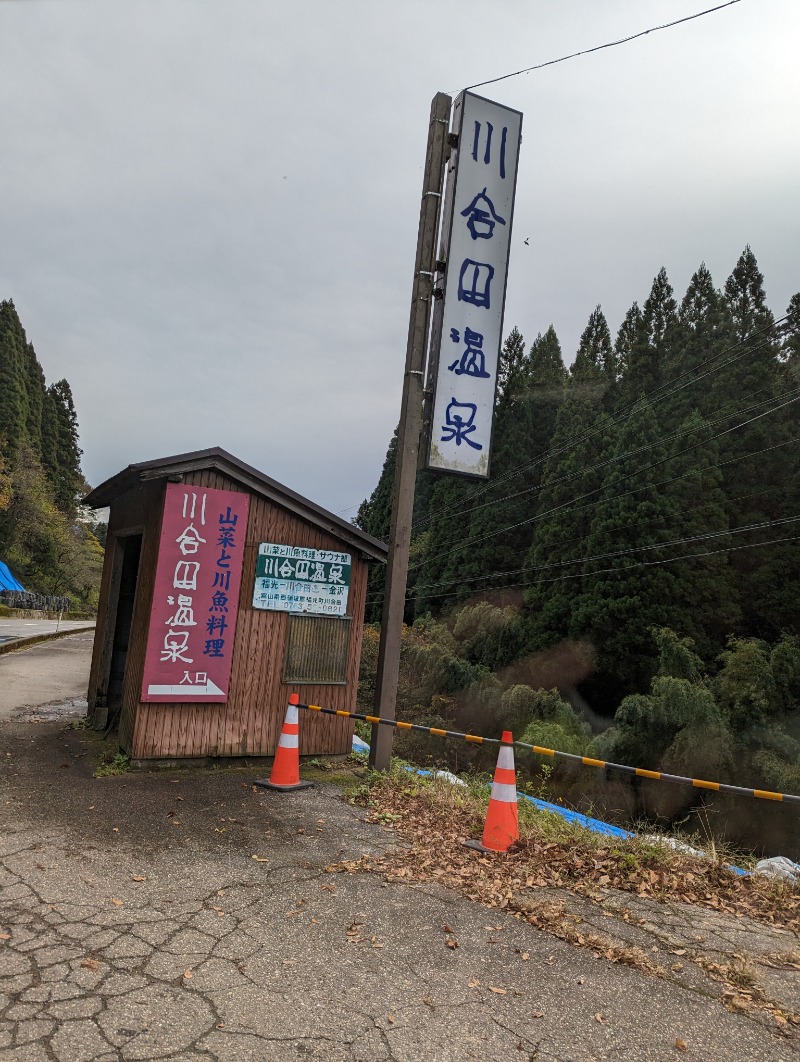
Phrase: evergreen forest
{"type": "Point", "coordinates": [52, 547]}
{"type": "Point", "coordinates": [625, 584]}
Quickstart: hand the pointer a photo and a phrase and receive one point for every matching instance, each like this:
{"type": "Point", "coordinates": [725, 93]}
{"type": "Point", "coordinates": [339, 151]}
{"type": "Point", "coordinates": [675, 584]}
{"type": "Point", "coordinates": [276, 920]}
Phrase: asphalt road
{"type": "Point", "coordinates": [11, 629]}
{"type": "Point", "coordinates": [51, 673]}
{"type": "Point", "coordinates": [188, 915]}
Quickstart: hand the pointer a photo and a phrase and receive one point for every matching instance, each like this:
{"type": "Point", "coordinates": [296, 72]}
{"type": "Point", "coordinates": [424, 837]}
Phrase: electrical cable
{"type": "Point", "coordinates": [520, 523]}
{"type": "Point", "coordinates": [609, 44]}
{"type": "Point", "coordinates": [608, 556]}
{"type": "Point", "coordinates": [629, 567]}
{"type": "Point", "coordinates": [651, 398]}
{"type": "Point", "coordinates": [541, 488]}
{"type": "Point", "coordinates": [372, 598]}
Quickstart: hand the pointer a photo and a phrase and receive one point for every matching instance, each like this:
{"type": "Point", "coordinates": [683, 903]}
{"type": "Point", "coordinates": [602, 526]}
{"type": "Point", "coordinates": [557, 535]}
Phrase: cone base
{"type": "Point", "coordinates": [476, 846]}
{"type": "Point", "coordinates": [265, 783]}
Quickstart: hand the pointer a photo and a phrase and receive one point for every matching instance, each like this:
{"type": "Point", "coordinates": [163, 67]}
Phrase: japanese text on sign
{"type": "Point", "coordinates": [483, 174]}
{"type": "Point", "coordinates": [300, 579]}
{"type": "Point", "coordinates": [196, 595]}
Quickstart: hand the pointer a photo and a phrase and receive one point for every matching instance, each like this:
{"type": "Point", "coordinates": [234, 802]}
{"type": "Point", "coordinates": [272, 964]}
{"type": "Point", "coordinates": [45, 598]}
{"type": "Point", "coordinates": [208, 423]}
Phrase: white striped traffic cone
{"type": "Point", "coordinates": [286, 765]}
{"type": "Point", "coordinates": [502, 819]}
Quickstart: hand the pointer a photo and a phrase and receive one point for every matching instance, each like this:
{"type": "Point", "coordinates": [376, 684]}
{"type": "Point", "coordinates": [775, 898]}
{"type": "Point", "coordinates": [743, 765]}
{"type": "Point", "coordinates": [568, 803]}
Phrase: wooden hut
{"type": "Point", "coordinates": [222, 593]}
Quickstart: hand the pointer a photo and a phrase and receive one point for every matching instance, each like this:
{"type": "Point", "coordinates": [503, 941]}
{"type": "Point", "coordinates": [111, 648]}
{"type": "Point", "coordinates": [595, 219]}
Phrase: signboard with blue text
{"type": "Point", "coordinates": [300, 579]}
{"type": "Point", "coordinates": [480, 197]}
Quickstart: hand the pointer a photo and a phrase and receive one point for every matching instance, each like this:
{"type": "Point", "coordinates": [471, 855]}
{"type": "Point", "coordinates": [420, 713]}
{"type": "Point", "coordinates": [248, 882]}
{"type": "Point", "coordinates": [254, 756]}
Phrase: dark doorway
{"type": "Point", "coordinates": [131, 552]}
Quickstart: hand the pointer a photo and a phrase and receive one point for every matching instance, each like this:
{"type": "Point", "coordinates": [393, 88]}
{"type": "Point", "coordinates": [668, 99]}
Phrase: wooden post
{"type": "Point", "coordinates": [408, 435]}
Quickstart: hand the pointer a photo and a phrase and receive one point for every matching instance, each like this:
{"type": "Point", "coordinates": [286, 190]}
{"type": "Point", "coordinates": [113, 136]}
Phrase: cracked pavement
{"type": "Point", "coordinates": [136, 924]}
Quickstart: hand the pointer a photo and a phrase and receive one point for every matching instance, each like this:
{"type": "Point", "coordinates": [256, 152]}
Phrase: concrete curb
{"type": "Point", "coordinates": [26, 643]}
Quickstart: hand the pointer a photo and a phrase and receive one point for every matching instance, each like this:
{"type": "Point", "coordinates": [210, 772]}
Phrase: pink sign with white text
{"type": "Point", "coordinates": [196, 595]}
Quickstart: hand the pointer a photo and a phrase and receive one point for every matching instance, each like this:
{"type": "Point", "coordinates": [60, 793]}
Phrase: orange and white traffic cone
{"type": "Point", "coordinates": [286, 765]}
{"type": "Point", "coordinates": [502, 819]}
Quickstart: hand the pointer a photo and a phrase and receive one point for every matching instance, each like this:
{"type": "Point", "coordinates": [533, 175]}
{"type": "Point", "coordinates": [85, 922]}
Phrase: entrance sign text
{"type": "Point", "coordinates": [196, 595]}
{"type": "Point", "coordinates": [481, 208]}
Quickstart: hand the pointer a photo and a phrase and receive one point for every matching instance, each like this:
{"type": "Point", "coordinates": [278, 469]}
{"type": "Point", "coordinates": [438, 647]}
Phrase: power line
{"type": "Point", "coordinates": [628, 410]}
{"type": "Point", "coordinates": [541, 488]}
{"type": "Point", "coordinates": [608, 556]}
{"type": "Point", "coordinates": [624, 413]}
{"type": "Point", "coordinates": [629, 567]}
{"type": "Point", "coordinates": [372, 598]}
{"type": "Point", "coordinates": [610, 44]}
{"type": "Point", "coordinates": [601, 504]}
{"type": "Point", "coordinates": [521, 523]}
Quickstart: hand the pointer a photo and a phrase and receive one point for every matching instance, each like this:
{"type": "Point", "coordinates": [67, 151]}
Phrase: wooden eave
{"type": "Point", "coordinates": [247, 476]}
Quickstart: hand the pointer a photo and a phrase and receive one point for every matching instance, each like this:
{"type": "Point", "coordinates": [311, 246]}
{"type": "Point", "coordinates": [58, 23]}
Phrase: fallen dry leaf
{"type": "Point", "coordinates": [137, 877]}
{"type": "Point", "coordinates": [474, 983]}
{"type": "Point", "coordinates": [427, 1001]}
{"type": "Point", "coordinates": [259, 859]}
{"type": "Point", "coordinates": [499, 991]}
{"type": "Point", "coordinates": [5, 936]}
{"type": "Point", "coordinates": [447, 929]}
{"type": "Point", "coordinates": [90, 964]}
{"type": "Point", "coordinates": [538, 1014]}
{"type": "Point", "coordinates": [188, 974]}
{"type": "Point", "coordinates": [599, 1017]}
{"type": "Point", "coordinates": [451, 942]}
{"type": "Point", "coordinates": [680, 1045]}
{"type": "Point", "coordinates": [390, 1018]}
{"type": "Point", "coordinates": [116, 902]}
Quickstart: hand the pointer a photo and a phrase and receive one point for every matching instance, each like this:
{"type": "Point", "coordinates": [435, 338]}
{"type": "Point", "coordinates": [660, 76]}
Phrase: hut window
{"type": "Point", "coordinates": [317, 650]}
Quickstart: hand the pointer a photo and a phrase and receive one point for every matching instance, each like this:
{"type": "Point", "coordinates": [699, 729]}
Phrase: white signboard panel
{"type": "Point", "coordinates": [300, 579]}
{"type": "Point", "coordinates": [485, 175]}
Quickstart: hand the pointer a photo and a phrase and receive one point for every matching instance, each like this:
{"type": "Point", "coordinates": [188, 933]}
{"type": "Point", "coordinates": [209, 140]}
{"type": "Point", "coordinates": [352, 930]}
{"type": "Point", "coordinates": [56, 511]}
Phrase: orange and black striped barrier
{"type": "Point", "coordinates": [586, 761]}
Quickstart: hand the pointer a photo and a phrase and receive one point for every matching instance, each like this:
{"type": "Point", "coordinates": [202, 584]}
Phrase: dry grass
{"type": "Point", "coordinates": [434, 817]}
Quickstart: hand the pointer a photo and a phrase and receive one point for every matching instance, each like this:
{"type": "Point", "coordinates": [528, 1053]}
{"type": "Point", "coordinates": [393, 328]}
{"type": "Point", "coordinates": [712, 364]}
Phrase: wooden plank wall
{"type": "Point", "coordinates": [249, 724]}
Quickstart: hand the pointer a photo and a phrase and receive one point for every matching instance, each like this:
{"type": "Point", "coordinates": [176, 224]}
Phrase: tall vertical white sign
{"type": "Point", "coordinates": [484, 173]}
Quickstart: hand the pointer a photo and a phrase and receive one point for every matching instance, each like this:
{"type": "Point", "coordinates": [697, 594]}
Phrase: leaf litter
{"type": "Point", "coordinates": [433, 822]}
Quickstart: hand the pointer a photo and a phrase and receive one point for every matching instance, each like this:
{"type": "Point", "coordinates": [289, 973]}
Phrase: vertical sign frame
{"type": "Point", "coordinates": [196, 595]}
{"type": "Point", "coordinates": [477, 226]}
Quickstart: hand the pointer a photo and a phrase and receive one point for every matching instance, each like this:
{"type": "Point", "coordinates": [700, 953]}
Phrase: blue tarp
{"type": "Point", "coordinates": [575, 817]}
{"type": "Point", "coordinates": [7, 580]}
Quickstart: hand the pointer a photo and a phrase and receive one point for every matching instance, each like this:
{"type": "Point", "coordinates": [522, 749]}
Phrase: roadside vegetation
{"type": "Point", "coordinates": [52, 547]}
{"type": "Point", "coordinates": [624, 585]}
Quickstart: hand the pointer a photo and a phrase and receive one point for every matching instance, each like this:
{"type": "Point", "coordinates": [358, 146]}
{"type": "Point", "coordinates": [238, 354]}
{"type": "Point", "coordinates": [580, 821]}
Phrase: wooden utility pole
{"type": "Point", "coordinates": [408, 435]}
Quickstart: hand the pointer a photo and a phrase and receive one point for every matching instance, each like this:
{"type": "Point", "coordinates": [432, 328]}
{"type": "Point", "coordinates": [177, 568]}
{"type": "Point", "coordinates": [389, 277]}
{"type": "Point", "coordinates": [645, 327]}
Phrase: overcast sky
{"type": "Point", "coordinates": [208, 208]}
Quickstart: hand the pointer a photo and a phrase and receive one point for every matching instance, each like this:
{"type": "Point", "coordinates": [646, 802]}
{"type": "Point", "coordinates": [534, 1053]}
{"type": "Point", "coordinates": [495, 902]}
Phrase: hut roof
{"type": "Point", "coordinates": [249, 477]}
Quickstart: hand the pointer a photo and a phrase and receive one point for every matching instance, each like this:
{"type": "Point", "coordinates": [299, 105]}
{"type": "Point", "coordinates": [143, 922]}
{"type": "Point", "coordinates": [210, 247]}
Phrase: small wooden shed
{"type": "Point", "coordinates": [222, 593]}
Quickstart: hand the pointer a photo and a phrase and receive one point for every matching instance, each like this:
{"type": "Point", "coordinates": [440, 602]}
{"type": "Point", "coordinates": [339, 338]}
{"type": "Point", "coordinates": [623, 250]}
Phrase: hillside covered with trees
{"type": "Point", "coordinates": [627, 580]}
{"type": "Point", "coordinates": [42, 538]}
